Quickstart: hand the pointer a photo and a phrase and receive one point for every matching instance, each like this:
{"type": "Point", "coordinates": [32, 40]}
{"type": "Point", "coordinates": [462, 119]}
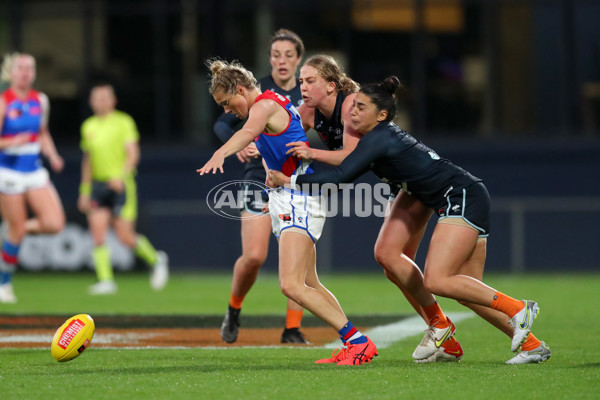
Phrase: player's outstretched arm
{"type": "Point", "coordinates": [257, 121]}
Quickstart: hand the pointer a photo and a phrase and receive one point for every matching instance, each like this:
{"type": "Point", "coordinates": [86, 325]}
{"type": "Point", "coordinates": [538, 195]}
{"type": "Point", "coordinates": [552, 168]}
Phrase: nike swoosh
{"type": "Point", "coordinates": [523, 324]}
{"type": "Point", "coordinates": [536, 351]}
{"type": "Point", "coordinates": [454, 353]}
{"type": "Point", "coordinates": [438, 343]}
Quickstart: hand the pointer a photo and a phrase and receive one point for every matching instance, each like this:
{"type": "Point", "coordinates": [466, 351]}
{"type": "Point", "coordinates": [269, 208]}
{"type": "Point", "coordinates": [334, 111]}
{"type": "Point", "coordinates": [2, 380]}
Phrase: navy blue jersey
{"type": "Point", "coordinates": [401, 160]}
{"type": "Point", "coordinates": [331, 130]}
{"type": "Point", "coordinates": [227, 124]}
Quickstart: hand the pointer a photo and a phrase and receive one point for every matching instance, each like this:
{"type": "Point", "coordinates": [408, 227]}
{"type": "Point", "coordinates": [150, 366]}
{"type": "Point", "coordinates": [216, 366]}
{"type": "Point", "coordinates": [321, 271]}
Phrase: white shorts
{"type": "Point", "coordinates": [293, 209]}
{"type": "Point", "coordinates": [15, 182]}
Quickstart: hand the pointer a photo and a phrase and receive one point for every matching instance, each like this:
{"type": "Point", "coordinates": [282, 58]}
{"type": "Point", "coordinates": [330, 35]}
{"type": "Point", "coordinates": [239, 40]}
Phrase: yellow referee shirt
{"type": "Point", "coordinates": [105, 138]}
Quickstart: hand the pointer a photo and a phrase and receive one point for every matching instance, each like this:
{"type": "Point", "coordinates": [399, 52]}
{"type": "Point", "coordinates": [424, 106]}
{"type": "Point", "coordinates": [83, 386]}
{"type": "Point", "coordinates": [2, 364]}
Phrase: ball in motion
{"type": "Point", "coordinates": [72, 338]}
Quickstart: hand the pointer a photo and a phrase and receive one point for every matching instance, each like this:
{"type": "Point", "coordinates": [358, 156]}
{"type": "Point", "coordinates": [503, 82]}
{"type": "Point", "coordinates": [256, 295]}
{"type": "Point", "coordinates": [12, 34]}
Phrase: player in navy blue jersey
{"type": "Point", "coordinates": [285, 54]}
{"type": "Point", "coordinates": [24, 182]}
{"type": "Point", "coordinates": [328, 95]}
{"type": "Point", "coordinates": [457, 251]}
{"type": "Point", "coordinates": [297, 218]}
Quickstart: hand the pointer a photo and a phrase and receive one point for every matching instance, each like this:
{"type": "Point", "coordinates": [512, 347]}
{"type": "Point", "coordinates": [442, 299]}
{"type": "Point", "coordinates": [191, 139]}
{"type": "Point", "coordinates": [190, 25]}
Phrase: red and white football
{"type": "Point", "coordinates": [73, 337]}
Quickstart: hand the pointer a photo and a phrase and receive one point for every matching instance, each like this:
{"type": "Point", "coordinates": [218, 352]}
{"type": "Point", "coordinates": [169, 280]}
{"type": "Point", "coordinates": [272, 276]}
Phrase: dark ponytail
{"type": "Point", "coordinates": [385, 95]}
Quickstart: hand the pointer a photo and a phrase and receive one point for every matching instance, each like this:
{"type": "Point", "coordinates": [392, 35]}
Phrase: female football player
{"type": "Point", "coordinates": [456, 256]}
{"type": "Point", "coordinates": [297, 218]}
{"type": "Point", "coordinates": [24, 182]}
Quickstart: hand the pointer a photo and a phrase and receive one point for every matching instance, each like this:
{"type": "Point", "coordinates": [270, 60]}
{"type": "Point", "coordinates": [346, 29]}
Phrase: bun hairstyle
{"type": "Point", "coordinates": [287, 35]}
{"type": "Point", "coordinates": [330, 71]}
{"type": "Point", "coordinates": [227, 76]}
{"type": "Point", "coordinates": [385, 95]}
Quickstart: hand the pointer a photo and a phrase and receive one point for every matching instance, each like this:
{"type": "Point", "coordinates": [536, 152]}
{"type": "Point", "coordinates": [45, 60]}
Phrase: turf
{"type": "Point", "coordinates": [568, 322]}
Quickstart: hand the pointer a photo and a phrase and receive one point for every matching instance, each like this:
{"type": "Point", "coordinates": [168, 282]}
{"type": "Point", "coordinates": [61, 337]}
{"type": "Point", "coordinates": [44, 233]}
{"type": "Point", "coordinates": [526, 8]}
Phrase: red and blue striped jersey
{"type": "Point", "coordinates": [272, 147]}
{"type": "Point", "coordinates": [22, 116]}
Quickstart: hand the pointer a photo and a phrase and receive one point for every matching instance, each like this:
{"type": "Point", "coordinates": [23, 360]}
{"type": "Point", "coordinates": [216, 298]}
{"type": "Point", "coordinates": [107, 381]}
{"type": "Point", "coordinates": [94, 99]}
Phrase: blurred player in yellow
{"type": "Point", "coordinates": [107, 194]}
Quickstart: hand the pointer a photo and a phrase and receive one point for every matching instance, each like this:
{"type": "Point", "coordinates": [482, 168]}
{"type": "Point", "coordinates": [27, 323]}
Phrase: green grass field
{"type": "Point", "coordinates": [568, 322]}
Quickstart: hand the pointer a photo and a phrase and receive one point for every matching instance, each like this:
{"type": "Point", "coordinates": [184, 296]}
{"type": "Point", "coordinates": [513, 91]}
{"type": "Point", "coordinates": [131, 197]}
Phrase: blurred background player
{"type": "Point", "coordinates": [107, 194]}
{"type": "Point", "coordinates": [285, 53]}
{"type": "Point", "coordinates": [24, 183]}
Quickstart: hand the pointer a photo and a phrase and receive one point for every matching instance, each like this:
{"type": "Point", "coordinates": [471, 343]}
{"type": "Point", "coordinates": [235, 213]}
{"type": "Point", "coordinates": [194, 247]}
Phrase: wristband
{"type": "Point", "coordinates": [85, 188]}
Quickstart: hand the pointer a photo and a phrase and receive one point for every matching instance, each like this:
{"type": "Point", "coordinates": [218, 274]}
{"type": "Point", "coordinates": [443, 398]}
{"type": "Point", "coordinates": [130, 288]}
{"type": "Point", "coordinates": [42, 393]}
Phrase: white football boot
{"type": "Point", "coordinates": [522, 322]}
{"type": "Point", "coordinates": [160, 271]}
{"type": "Point", "coordinates": [433, 340]}
{"type": "Point", "coordinates": [7, 294]}
{"type": "Point", "coordinates": [537, 355]}
{"type": "Point", "coordinates": [103, 288]}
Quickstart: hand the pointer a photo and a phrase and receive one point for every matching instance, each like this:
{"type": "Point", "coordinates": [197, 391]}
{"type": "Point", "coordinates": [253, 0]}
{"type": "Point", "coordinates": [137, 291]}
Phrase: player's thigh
{"type": "Point", "coordinates": [46, 204]}
{"type": "Point", "coordinates": [295, 257]}
{"type": "Point", "coordinates": [255, 233]}
{"type": "Point", "coordinates": [405, 225]}
{"type": "Point", "coordinates": [450, 247]}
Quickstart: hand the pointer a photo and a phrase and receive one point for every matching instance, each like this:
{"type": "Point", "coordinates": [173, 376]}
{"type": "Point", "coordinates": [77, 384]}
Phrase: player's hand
{"type": "Point", "coordinates": [56, 163]}
{"type": "Point", "coordinates": [265, 208]}
{"type": "Point", "coordinates": [269, 182]}
{"type": "Point", "coordinates": [117, 185]}
{"type": "Point", "coordinates": [248, 153]}
{"type": "Point", "coordinates": [278, 178]}
{"type": "Point", "coordinates": [84, 203]}
{"type": "Point", "coordinates": [300, 150]}
{"type": "Point", "coordinates": [214, 164]}
{"type": "Point", "coordinates": [20, 139]}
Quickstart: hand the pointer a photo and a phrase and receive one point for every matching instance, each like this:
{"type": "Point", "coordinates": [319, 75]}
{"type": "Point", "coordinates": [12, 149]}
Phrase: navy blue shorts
{"type": "Point", "coordinates": [104, 197]}
{"type": "Point", "coordinates": [252, 203]}
{"type": "Point", "coordinates": [471, 204]}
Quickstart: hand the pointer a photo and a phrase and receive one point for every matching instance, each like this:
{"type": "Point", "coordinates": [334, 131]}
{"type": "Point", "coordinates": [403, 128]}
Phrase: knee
{"type": "Point", "coordinates": [254, 260]}
{"type": "Point", "coordinates": [465, 303]}
{"type": "Point", "coordinates": [434, 285]}
{"type": "Point", "coordinates": [290, 289]}
{"type": "Point", "coordinates": [53, 225]}
{"type": "Point", "coordinates": [129, 239]}
{"type": "Point", "coordinates": [98, 239]}
{"type": "Point", "coordinates": [384, 255]}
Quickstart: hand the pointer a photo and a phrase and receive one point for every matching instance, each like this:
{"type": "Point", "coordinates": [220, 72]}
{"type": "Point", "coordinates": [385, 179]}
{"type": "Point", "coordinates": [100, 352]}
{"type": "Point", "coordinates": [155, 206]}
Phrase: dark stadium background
{"type": "Point", "coordinates": [509, 89]}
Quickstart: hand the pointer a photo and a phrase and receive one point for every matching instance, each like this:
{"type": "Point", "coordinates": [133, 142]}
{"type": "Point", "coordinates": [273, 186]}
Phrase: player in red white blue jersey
{"type": "Point", "coordinates": [297, 217]}
{"type": "Point", "coordinates": [24, 182]}
{"type": "Point", "coordinates": [285, 53]}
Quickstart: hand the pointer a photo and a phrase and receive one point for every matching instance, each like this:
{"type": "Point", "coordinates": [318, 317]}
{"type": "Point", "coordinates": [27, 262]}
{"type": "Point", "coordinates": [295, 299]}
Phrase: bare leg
{"type": "Point", "coordinates": [295, 259]}
{"type": "Point", "coordinates": [451, 246]}
{"type": "Point", "coordinates": [14, 213]}
{"type": "Point", "coordinates": [99, 221]}
{"type": "Point", "coordinates": [403, 229]}
{"type": "Point", "coordinates": [125, 231]}
{"type": "Point", "coordinates": [473, 267]}
{"type": "Point", "coordinates": [312, 280]}
{"type": "Point", "coordinates": [47, 207]}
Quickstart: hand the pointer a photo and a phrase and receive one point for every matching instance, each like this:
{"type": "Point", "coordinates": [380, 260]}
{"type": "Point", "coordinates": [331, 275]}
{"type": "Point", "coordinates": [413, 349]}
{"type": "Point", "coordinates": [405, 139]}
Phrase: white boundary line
{"type": "Point", "coordinates": [386, 335]}
{"type": "Point", "coordinates": [383, 335]}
